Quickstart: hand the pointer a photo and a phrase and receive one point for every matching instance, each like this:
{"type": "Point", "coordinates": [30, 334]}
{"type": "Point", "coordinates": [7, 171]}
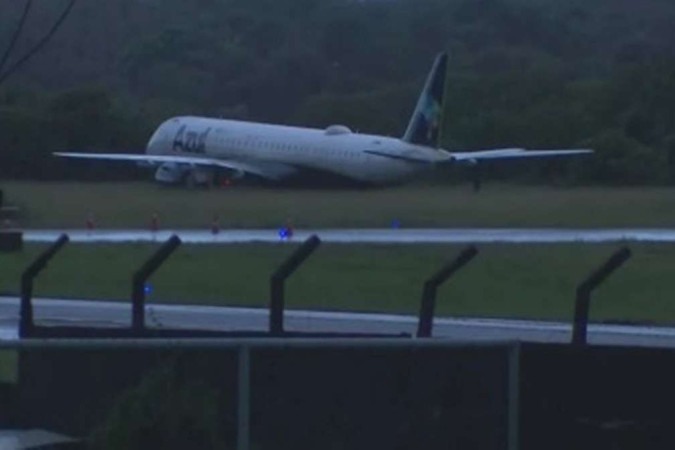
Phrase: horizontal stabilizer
{"type": "Point", "coordinates": [515, 153]}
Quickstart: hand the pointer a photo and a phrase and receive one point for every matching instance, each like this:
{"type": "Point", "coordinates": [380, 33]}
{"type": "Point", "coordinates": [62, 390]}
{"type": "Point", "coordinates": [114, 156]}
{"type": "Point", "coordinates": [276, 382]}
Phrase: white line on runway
{"type": "Point", "coordinates": [381, 236]}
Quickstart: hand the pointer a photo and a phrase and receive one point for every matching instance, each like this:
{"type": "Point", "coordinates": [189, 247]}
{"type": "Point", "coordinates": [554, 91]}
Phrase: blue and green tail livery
{"type": "Point", "coordinates": [425, 124]}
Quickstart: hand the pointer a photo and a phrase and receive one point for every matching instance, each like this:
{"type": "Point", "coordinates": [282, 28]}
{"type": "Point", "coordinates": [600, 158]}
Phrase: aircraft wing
{"type": "Point", "coordinates": [514, 153]}
{"type": "Point", "coordinates": [273, 171]}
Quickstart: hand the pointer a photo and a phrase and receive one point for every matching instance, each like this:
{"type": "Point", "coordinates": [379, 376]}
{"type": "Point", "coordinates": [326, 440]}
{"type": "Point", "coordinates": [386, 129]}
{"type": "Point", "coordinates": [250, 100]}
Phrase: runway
{"type": "Point", "coordinates": [365, 236]}
{"type": "Point", "coordinates": [117, 314]}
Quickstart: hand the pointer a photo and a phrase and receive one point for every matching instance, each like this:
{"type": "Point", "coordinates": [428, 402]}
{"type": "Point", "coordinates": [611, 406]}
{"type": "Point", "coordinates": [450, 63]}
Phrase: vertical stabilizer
{"type": "Point", "coordinates": [425, 124]}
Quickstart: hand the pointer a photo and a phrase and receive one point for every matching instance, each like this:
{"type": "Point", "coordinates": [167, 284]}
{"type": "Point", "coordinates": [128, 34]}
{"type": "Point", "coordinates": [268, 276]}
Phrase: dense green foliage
{"type": "Point", "coordinates": [534, 73]}
{"type": "Point", "coordinates": [167, 410]}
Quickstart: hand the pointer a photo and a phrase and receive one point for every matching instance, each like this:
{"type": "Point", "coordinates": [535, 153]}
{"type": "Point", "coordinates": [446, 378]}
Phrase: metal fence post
{"type": "Point", "coordinates": [244, 399]}
{"type": "Point", "coordinates": [142, 275]}
{"type": "Point", "coordinates": [513, 419]}
{"type": "Point", "coordinates": [276, 325]}
{"type": "Point", "coordinates": [583, 298]}
{"type": "Point", "coordinates": [428, 303]}
{"type": "Point", "coordinates": [26, 308]}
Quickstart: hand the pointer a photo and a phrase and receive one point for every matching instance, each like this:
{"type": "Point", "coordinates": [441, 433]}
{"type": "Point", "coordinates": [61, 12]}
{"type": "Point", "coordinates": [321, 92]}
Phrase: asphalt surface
{"type": "Point", "coordinates": [117, 314]}
{"type": "Point", "coordinates": [371, 235]}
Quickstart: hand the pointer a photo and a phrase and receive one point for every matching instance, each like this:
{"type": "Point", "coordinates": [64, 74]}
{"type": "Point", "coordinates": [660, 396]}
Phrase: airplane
{"type": "Point", "coordinates": [191, 150]}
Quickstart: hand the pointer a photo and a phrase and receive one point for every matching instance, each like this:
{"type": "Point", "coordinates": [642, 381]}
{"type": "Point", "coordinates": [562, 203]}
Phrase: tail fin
{"type": "Point", "coordinates": [425, 124]}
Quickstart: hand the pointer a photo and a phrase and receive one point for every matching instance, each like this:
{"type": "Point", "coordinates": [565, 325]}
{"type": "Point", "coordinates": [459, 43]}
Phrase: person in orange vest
{"type": "Point", "coordinates": [289, 229]}
{"type": "Point", "coordinates": [154, 223]}
{"type": "Point", "coordinates": [90, 222]}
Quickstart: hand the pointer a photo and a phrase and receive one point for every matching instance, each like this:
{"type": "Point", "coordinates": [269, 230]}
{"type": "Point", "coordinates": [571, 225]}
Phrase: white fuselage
{"type": "Point", "coordinates": [283, 150]}
{"type": "Point", "coordinates": [193, 150]}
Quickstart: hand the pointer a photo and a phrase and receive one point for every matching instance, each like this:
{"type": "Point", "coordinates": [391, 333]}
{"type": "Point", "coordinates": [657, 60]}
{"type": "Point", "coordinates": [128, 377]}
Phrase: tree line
{"type": "Point", "coordinates": [536, 74]}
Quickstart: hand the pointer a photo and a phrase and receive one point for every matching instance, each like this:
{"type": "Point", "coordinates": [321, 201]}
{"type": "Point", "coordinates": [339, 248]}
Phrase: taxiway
{"type": "Point", "coordinates": [365, 236]}
{"type": "Point", "coordinates": [118, 314]}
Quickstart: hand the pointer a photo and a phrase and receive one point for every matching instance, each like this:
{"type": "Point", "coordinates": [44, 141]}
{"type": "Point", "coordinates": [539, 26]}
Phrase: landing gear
{"type": "Point", "coordinates": [198, 178]}
{"type": "Point", "coordinates": [190, 180]}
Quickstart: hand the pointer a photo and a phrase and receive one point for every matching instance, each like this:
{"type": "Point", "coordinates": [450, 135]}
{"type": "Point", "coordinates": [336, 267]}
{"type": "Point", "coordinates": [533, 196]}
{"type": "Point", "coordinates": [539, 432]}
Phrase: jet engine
{"type": "Point", "coordinates": [170, 173]}
{"type": "Point", "coordinates": [174, 173]}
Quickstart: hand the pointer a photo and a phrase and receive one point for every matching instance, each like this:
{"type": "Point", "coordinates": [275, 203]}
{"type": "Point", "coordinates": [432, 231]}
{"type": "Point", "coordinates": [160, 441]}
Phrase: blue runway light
{"type": "Point", "coordinates": [396, 223]}
{"type": "Point", "coordinates": [147, 288]}
{"type": "Point", "coordinates": [285, 233]}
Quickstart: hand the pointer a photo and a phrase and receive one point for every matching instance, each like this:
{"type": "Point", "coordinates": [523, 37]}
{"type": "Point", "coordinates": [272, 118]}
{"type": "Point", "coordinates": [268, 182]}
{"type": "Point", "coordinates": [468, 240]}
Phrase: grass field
{"type": "Point", "coordinates": [8, 366]}
{"type": "Point", "coordinates": [528, 281]}
{"type": "Point", "coordinates": [536, 281]}
{"type": "Point", "coordinates": [130, 205]}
